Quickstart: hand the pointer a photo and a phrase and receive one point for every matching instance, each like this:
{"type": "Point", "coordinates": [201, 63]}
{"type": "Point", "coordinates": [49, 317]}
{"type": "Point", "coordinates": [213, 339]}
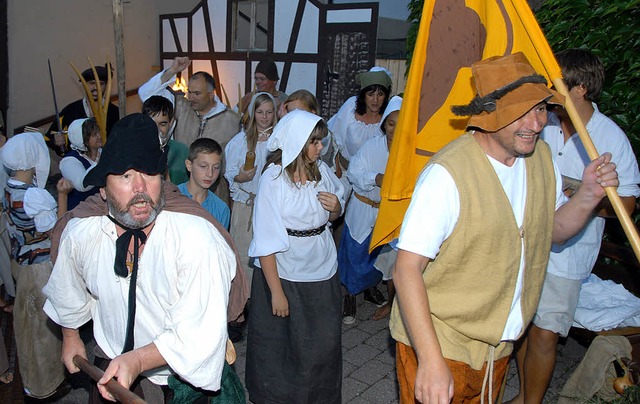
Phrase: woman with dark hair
{"type": "Point", "coordinates": [358, 120]}
{"type": "Point", "coordinates": [86, 146]}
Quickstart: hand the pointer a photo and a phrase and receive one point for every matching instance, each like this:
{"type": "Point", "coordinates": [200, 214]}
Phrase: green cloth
{"type": "Point", "coordinates": [231, 390]}
{"type": "Point", "coordinates": [178, 153]}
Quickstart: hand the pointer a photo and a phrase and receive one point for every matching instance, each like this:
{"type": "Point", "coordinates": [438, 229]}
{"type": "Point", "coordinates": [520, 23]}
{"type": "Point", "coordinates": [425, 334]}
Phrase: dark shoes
{"type": "Point", "coordinates": [349, 309]}
{"type": "Point", "coordinates": [374, 296]}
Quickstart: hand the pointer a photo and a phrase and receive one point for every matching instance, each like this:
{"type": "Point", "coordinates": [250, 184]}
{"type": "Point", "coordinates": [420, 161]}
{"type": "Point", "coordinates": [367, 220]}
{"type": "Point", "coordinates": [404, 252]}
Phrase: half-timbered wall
{"type": "Point", "coordinates": [316, 46]}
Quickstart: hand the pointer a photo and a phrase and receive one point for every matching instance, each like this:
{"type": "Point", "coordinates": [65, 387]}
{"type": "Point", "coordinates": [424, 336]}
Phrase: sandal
{"type": "Point", "coordinates": [6, 377]}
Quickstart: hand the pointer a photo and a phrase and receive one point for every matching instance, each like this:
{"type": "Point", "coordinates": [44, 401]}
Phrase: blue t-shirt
{"type": "Point", "coordinates": [213, 204]}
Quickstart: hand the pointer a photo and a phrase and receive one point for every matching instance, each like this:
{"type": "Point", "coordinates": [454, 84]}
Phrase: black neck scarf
{"type": "Point", "coordinates": [120, 268]}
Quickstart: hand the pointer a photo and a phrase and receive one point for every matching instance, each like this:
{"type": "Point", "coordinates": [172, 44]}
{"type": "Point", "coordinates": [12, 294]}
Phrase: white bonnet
{"type": "Point", "coordinates": [394, 105]}
{"type": "Point", "coordinates": [75, 134]}
{"type": "Point", "coordinates": [41, 207]}
{"type": "Point", "coordinates": [291, 133]}
{"type": "Point", "coordinates": [253, 102]}
{"type": "Point", "coordinates": [25, 151]}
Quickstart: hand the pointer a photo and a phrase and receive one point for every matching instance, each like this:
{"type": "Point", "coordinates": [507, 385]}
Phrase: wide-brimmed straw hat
{"type": "Point", "coordinates": [132, 144]}
{"type": "Point", "coordinates": [507, 88]}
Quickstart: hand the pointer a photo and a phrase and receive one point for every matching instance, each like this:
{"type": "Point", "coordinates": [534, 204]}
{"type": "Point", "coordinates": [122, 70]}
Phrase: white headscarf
{"type": "Point", "coordinates": [25, 151]}
{"type": "Point", "coordinates": [41, 207]}
{"type": "Point", "coordinates": [75, 134]}
{"type": "Point", "coordinates": [253, 102]}
{"type": "Point", "coordinates": [394, 105]}
{"type": "Point", "coordinates": [291, 133]}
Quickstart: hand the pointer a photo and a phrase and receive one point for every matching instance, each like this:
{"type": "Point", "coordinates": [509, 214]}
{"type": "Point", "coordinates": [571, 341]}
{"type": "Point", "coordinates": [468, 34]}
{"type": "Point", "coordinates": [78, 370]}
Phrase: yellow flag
{"type": "Point", "coordinates": [453, 35]}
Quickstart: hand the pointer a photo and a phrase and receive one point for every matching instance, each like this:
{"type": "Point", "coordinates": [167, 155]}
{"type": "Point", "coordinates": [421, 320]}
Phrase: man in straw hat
{"type": "Point", "coordinates": [486, 207]}
{"type": "Point", "coordinates": [155, 282]}
{"type": "Point", "coordinates": [82, 108]}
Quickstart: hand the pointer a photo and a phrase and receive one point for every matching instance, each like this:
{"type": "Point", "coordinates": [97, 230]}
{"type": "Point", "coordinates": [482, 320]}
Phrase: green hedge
{"type": "Point", "coordinates": [611, 29]}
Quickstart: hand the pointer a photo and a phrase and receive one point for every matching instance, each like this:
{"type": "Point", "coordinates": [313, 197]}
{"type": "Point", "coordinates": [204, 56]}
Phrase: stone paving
{"type": "Point", "coordinates": [369, 364]}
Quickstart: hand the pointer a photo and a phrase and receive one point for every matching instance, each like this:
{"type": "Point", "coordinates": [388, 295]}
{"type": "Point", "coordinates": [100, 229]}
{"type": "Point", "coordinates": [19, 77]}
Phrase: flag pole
{"type": "Point", "coordinates": [542, 46]}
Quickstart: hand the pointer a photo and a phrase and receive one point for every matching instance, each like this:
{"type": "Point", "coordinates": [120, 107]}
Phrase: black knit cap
{"type": "Point", "coordinates": [132, 144]}
{"type": "Point", "coordinates": [269, 69]}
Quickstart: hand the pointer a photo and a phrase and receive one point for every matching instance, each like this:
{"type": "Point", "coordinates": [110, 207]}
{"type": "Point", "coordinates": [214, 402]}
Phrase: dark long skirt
{"type": "Point", "coordinates": [295, 359]}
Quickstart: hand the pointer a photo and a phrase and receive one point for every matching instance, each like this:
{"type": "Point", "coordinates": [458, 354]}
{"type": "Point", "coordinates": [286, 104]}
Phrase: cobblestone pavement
{"type": "Point", "coordinates": [369, 364]}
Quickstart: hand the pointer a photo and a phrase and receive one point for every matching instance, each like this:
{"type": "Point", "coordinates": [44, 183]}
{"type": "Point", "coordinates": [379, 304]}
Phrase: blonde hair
{"type": "Point", "coordinates": [252, 127]}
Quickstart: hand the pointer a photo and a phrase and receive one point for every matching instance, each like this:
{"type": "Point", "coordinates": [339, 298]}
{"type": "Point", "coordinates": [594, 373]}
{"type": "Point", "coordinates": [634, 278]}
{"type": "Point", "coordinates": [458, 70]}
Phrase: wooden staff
{"type": "Point", "coordinates": [116, 390]}
{"type": "Point", "coordinates": [226, 97]}
{"type": "Point", "coordinates": [118, 31]}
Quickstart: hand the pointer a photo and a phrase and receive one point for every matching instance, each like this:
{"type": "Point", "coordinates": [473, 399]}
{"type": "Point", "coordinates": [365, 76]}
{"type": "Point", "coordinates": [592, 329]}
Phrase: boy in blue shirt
{"type": "Point", "coordinates": [203, 164]}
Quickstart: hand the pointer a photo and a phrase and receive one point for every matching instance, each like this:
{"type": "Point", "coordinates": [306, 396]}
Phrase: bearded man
{"type": "Point", "coordinates": [155, 282]}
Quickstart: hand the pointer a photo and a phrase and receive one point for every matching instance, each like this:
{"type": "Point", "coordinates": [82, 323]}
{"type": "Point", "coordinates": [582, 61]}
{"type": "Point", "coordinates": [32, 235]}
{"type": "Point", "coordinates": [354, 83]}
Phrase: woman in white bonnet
{"type": "Point", "coordinates": [294, 352]}
{"type": "Point", "coordinates": [86, 145]}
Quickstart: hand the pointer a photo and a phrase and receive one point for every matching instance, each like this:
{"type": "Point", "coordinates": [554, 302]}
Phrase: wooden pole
{"type": "Point", "coordinates": [625, 220]}
{"type": "Point", "coordinates": [116, 390]}
{"type": "Point", "coordinates": [118, 31]}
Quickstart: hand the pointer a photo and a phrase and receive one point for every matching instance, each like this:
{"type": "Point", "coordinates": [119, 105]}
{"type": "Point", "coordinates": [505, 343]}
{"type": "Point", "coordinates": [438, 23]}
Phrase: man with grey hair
{"type": "Point", "coordinates": [155, 282]}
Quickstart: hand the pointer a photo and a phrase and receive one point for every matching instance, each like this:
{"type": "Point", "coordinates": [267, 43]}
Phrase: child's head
{"type": "Point", "coordinates": [580, 67]}
{"type": "Point", "coordinates": [262, 112]}
{"type": "Point", "coordinates": [160, 109]}
{"type": "Point", "coordinates": [26, 155]}
{"type": "Point", "coordinates": [261, 118]}
{"type": "Point", "coordinates": [298, 137]}
{"type": "Point", "coordinates": [301, 99]}
{"type": "Point", "coordinates": [390, 118]}
{"type": "Point", "coordinates": [204, 162]}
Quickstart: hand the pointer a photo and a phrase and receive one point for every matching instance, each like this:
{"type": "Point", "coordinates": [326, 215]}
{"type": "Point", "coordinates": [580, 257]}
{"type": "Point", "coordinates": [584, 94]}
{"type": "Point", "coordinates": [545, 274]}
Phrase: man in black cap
{"type": "Point", "coordinates": [265, 77]}
{"type": "Point", "coordinates": [82, 109]}
{"type": "Point", "coordinates": [155, 282]}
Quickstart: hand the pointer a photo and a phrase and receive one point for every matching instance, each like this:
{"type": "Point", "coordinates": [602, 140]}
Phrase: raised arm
{"type": "Point", "coordinates": [156, 84]}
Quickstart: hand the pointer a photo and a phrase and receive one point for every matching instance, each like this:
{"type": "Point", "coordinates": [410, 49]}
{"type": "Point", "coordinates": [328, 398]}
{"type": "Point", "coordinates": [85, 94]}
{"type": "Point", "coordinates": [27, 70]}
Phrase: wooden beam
{"type": "Point", "coordinates": [118, 31]}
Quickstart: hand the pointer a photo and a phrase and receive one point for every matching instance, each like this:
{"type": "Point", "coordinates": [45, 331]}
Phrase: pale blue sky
{"type": "Point", "coordinates": [388, 8]}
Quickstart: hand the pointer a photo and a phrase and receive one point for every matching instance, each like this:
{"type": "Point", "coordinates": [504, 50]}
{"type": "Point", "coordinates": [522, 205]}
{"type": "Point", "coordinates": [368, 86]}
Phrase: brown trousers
{"type": "Point", "coordinates": [467, 382]}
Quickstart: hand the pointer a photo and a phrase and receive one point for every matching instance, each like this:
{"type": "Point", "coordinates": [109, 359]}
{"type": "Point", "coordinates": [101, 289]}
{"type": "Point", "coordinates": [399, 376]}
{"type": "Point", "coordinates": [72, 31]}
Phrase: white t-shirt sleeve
{"type": "Point", "coordinates": [561, 198]}
{"type": "Point", "coordinates": [432, 214]}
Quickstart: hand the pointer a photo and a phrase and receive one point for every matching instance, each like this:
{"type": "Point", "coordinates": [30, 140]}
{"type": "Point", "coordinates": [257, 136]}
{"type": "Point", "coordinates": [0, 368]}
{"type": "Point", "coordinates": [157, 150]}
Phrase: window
{"type": "Point", "coordinates": [250, 25]}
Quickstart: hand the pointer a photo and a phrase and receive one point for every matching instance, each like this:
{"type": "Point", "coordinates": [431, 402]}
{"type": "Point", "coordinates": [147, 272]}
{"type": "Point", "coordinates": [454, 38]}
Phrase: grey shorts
{"type": "Point", "coordinates": [558, 303]}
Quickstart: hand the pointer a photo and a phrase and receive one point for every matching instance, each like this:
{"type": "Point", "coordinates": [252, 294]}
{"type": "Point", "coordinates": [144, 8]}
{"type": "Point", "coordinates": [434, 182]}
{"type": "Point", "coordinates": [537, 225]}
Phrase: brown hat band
{"type": "Point", "coordinates": [488, 103]}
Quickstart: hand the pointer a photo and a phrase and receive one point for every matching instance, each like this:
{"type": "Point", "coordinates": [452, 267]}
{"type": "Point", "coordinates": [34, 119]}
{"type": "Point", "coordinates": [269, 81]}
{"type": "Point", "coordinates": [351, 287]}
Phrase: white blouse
{"type": "Point", "coordinates": [235, 153]}
{"type": "Point", "coordinates": [282, 205]}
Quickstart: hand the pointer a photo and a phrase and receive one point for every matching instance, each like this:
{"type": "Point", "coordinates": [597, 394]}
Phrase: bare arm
{"type": "Point", "coordinates": [434, 382]}
{"type": "Point", "coordinates": [64, 186]}
{"type": "Point", "coordinates": [331, 203]}
{"type": "Point", "coordinates": [72, 345]}
{"type": "Point", "coordinates": [571, 217]}
{"type": "Point", "coordinates": [279, 302]}
{"type": "Point", "coordinates": [179, 64]}
{"type": "Point", "coordinates": [125, 368]}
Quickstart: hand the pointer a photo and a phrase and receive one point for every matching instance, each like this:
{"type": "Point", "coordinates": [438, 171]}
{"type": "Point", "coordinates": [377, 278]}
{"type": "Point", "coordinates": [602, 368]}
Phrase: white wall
{"type": "Point", "coordinates": [72, 30]}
